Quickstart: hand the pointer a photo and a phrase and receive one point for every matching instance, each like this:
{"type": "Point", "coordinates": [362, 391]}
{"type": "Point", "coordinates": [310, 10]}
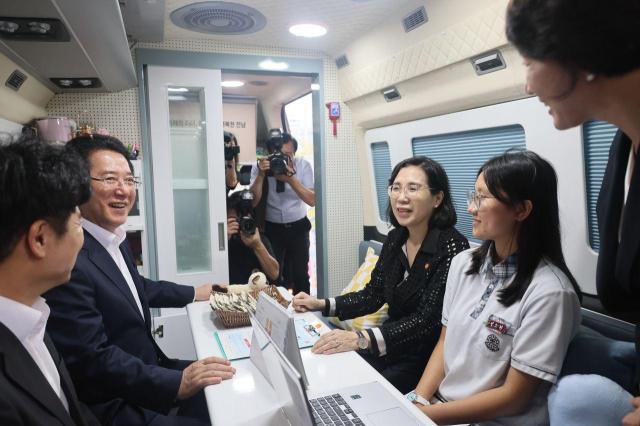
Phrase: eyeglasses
{"type": "Point", "coordinates": [112, 182]}
{"type": "Point", "coordinates": [476, 199]}
{"type": "Point", "coordinates": [411, 190]}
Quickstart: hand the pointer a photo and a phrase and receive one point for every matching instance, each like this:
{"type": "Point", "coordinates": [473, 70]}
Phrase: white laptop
{"type": "Point", "coordinates": [366, 404]}
{"type": "Point", "coordinates": [281, 328]}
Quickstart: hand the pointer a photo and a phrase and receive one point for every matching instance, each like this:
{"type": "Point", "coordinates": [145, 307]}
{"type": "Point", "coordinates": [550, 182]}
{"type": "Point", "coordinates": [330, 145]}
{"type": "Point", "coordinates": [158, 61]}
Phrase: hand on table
{"type": "Point", "coordinates": [302, 302]}
{"type": "Point", "coordinates": [336, 341]}
{"type": "Point", "coordinates": [208, 371]}
{"type": "Point", "coordinates": [204, 291]}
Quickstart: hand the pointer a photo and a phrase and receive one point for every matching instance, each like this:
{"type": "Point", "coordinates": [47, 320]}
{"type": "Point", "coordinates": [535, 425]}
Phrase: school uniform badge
{"type": "Point", "coordinates": [492, 343]}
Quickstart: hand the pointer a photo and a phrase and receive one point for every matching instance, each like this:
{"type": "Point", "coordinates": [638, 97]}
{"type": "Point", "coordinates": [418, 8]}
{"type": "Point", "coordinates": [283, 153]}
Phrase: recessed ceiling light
{"type": "Point", "coordinates": [315, 86]}
{"type": "Point", "coordinates": [232, 83]}
{"type": "Point", "coordinates": [270, 64]}
{"type": "Point", "coordinates": [178, 89]}
{"type": "Point", "coordinates": [308, 30]}
{"type": "Point", "coordinates": [85, 82]}
{"type": "Point", "coordinates": [65, 82]}
{"type": "Point", "coordinates": [8, 26]}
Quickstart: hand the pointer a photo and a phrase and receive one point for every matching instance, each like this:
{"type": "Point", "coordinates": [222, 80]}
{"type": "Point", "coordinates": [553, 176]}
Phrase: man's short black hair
{"type": "Point", "coordinates": [280, 140]}
{"type": "Point", "coordinates": [87, 144]}
{"type": "Point", "coordinates": [236, 199]}
{"type": "Point", "coordinates": [38, 181]}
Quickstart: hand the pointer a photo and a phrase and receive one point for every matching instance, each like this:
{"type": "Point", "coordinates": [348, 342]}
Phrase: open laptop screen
{"type": "Point", "coordinates": [285, 380]}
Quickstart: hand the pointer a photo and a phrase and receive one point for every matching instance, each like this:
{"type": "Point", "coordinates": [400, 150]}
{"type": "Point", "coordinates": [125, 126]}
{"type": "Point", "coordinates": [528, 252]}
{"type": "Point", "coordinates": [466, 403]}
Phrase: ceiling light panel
{"type": "Point", "coordinates": [308, 30]}
{"type": "Point", "coordinates": [230, 84]}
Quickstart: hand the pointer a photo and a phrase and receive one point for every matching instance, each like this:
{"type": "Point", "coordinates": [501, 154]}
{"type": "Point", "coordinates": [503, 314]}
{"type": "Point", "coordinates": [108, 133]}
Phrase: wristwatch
{"type": "Point", "coordinates": [362, 341]}
{"type": "Point", "coordinates": [414, 397]}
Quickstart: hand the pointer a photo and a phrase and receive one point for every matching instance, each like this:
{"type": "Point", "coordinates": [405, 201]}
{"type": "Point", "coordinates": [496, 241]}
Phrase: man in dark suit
{"type": "Point", "coordinates": [100, 320]}
{"type": "Point", "coordinates": [40, 235]}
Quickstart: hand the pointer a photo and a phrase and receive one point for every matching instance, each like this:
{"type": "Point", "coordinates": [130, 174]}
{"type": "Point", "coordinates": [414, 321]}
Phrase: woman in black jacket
{"type": "Point", "coordinates": [410, 276]}
{"type": "Point", "coordinates": [582, 74]}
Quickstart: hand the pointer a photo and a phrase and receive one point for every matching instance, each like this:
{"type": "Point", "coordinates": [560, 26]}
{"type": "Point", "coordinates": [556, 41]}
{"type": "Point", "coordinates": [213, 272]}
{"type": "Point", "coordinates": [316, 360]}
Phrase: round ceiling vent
{"type": "Point", "coordinates": [219, 17]}
{"type": "Point", "coordinates": [258, 83]}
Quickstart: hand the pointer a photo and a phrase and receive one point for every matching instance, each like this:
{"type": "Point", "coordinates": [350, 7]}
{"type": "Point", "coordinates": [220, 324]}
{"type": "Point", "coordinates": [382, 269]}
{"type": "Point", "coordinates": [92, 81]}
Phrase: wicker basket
{"type": "Point", "coordinates": [231, 319]}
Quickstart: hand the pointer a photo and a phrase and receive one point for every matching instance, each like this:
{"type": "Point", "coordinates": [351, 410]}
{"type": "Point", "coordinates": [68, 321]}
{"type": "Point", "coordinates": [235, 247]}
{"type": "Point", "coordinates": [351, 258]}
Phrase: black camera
{"type": "Point", "coordinates": [277, 159]}
{"type": "Point", "coordinates": [244, 209]}
{"type": "Point", "coordinates": [230, 150]}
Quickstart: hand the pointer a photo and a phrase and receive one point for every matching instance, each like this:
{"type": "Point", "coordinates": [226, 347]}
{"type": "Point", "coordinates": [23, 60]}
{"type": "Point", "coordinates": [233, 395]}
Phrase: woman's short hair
{"type": "Point", "coordinates": [513, 178]}
{"type": "Point", "coordinates": [597, 36]}
{"type": "Point", "coordinates": [444, 216]}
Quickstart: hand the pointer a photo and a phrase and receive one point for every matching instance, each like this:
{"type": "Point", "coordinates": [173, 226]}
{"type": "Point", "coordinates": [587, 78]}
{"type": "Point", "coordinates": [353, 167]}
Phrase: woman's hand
{"type": "Point", "coordinates": [336, 341]}
{"type": "Point", "coordinates": [302, 302]}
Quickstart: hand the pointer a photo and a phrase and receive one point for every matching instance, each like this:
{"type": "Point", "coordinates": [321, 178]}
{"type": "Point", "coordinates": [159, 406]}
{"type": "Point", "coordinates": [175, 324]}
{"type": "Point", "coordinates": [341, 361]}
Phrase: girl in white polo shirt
{"type": "Point", "coordinates": [511, 306]}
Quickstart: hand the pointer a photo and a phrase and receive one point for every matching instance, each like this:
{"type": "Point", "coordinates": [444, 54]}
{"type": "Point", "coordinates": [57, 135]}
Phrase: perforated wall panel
{"type": "Point", "coordinates": [118, 113]}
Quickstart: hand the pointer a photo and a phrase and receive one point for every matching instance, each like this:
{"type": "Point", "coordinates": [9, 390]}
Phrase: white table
{"type": "Point", "coordinates": [248, 398]}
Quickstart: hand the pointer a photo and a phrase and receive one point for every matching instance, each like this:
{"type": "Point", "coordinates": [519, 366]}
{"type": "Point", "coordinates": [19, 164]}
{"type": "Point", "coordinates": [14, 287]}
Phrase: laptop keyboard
{"type": "Point", "coordinates": [333, 410]}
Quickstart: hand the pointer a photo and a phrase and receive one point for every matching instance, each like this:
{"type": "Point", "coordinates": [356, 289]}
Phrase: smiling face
{"type": "Point", "coordinates": [493, 220]}
{"type": "Point", "coordinates": [413, 210]}
{"type": "Point", "coordinates": [109, 207]}
{"type": "Point", "coordinates": [569, 97]}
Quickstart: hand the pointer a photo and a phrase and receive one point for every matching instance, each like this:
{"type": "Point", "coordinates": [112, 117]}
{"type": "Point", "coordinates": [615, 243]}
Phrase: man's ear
{"type": "Point", "coordinates": [37, 238]}
{"type": "Point", "coordinates": [523, 210]}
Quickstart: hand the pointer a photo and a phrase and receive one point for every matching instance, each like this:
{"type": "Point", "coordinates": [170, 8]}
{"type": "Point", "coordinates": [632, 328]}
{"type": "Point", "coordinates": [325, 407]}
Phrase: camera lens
{"type": "Point", "coordinates": [247, 225]}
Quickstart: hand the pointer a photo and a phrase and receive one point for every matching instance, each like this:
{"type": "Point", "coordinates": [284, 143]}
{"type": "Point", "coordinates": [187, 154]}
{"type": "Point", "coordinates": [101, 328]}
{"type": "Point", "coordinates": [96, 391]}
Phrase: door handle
{"type": "Point", "coordinates": [221, 236]}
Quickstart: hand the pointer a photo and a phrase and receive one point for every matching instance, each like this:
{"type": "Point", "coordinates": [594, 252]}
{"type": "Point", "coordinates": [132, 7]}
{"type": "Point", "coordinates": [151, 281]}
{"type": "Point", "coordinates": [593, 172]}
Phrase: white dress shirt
{"type": "Point", "coordinates": [287, 206]}
{"type": "Point", "coordinates": [28, 323]}
{"type": "Point", "coordinates": [111, 242]}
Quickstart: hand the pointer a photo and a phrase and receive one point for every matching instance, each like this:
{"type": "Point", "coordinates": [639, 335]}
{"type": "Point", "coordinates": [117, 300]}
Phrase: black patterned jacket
{"type": "Point", "coordinates": [415, 302]}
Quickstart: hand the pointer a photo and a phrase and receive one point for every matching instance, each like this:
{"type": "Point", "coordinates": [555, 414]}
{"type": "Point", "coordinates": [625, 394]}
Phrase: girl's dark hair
{"type": "Point", "coordinates": [601, 37]}
{"type": "Point", "coordinates": [513, 178]}
{"type": "Point", "coordinates": [444, 216]}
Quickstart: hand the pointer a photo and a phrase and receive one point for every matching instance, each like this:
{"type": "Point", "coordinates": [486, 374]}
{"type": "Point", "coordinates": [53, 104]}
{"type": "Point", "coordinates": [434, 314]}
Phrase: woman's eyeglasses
{"type": "Point", "coordinates": [473, 198]}
{"type": "Point", "coordinates": [411, 190]}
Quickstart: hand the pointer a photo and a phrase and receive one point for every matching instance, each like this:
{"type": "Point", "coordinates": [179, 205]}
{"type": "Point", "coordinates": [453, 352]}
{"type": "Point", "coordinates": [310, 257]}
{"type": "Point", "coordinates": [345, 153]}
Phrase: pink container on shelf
{"type": "Point", "coordinates": [55, 129]}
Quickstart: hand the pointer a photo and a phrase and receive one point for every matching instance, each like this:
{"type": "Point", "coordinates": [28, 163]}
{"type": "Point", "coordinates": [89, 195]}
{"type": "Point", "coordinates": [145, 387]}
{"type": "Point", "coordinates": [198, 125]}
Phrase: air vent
{"type": "Point", "coordinates": [415, 19]}
{"type": "Point", "coordinates": [488, 62]}
{"type": "Point", "coordinates": [219, 17]}
{"type": "Point", "coordinates": [391, 94]}
{"type": "Point", "coordinates": [258, 83]}
{"type": "Point", "coordinates": [342, 61]}
{"type": "Point", "coordinates": [15, 80]}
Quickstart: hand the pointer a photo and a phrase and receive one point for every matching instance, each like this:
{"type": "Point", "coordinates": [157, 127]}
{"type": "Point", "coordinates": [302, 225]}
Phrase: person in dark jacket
{"type": "Point", "coordinates": [410, 276]}
{"type": "Point", "coordinates": [581, 75]}
{"type": "Point", "coordinates": [40, 236]}
{"type": "Point", "coordinates": [100, 320]}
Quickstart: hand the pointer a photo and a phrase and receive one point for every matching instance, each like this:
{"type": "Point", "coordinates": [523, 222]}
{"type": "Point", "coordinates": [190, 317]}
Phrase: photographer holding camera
{"type": "Point", "coordinates": [248, 250]}
{"type": "Point", "coordinates": [231, 151]}
{"type": "Point", "coordinates": [289, 190]}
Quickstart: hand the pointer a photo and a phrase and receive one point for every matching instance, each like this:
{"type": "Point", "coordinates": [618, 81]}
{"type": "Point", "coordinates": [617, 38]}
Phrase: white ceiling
{"type": "Point", "coordinates": [345, 21]}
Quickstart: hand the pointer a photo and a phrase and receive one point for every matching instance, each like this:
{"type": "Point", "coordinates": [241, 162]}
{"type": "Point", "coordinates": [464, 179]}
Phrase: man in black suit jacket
{"type": "Point", "coordinates": [40, 235]}
{"type": "Point", "coordinates": [100, 320]}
